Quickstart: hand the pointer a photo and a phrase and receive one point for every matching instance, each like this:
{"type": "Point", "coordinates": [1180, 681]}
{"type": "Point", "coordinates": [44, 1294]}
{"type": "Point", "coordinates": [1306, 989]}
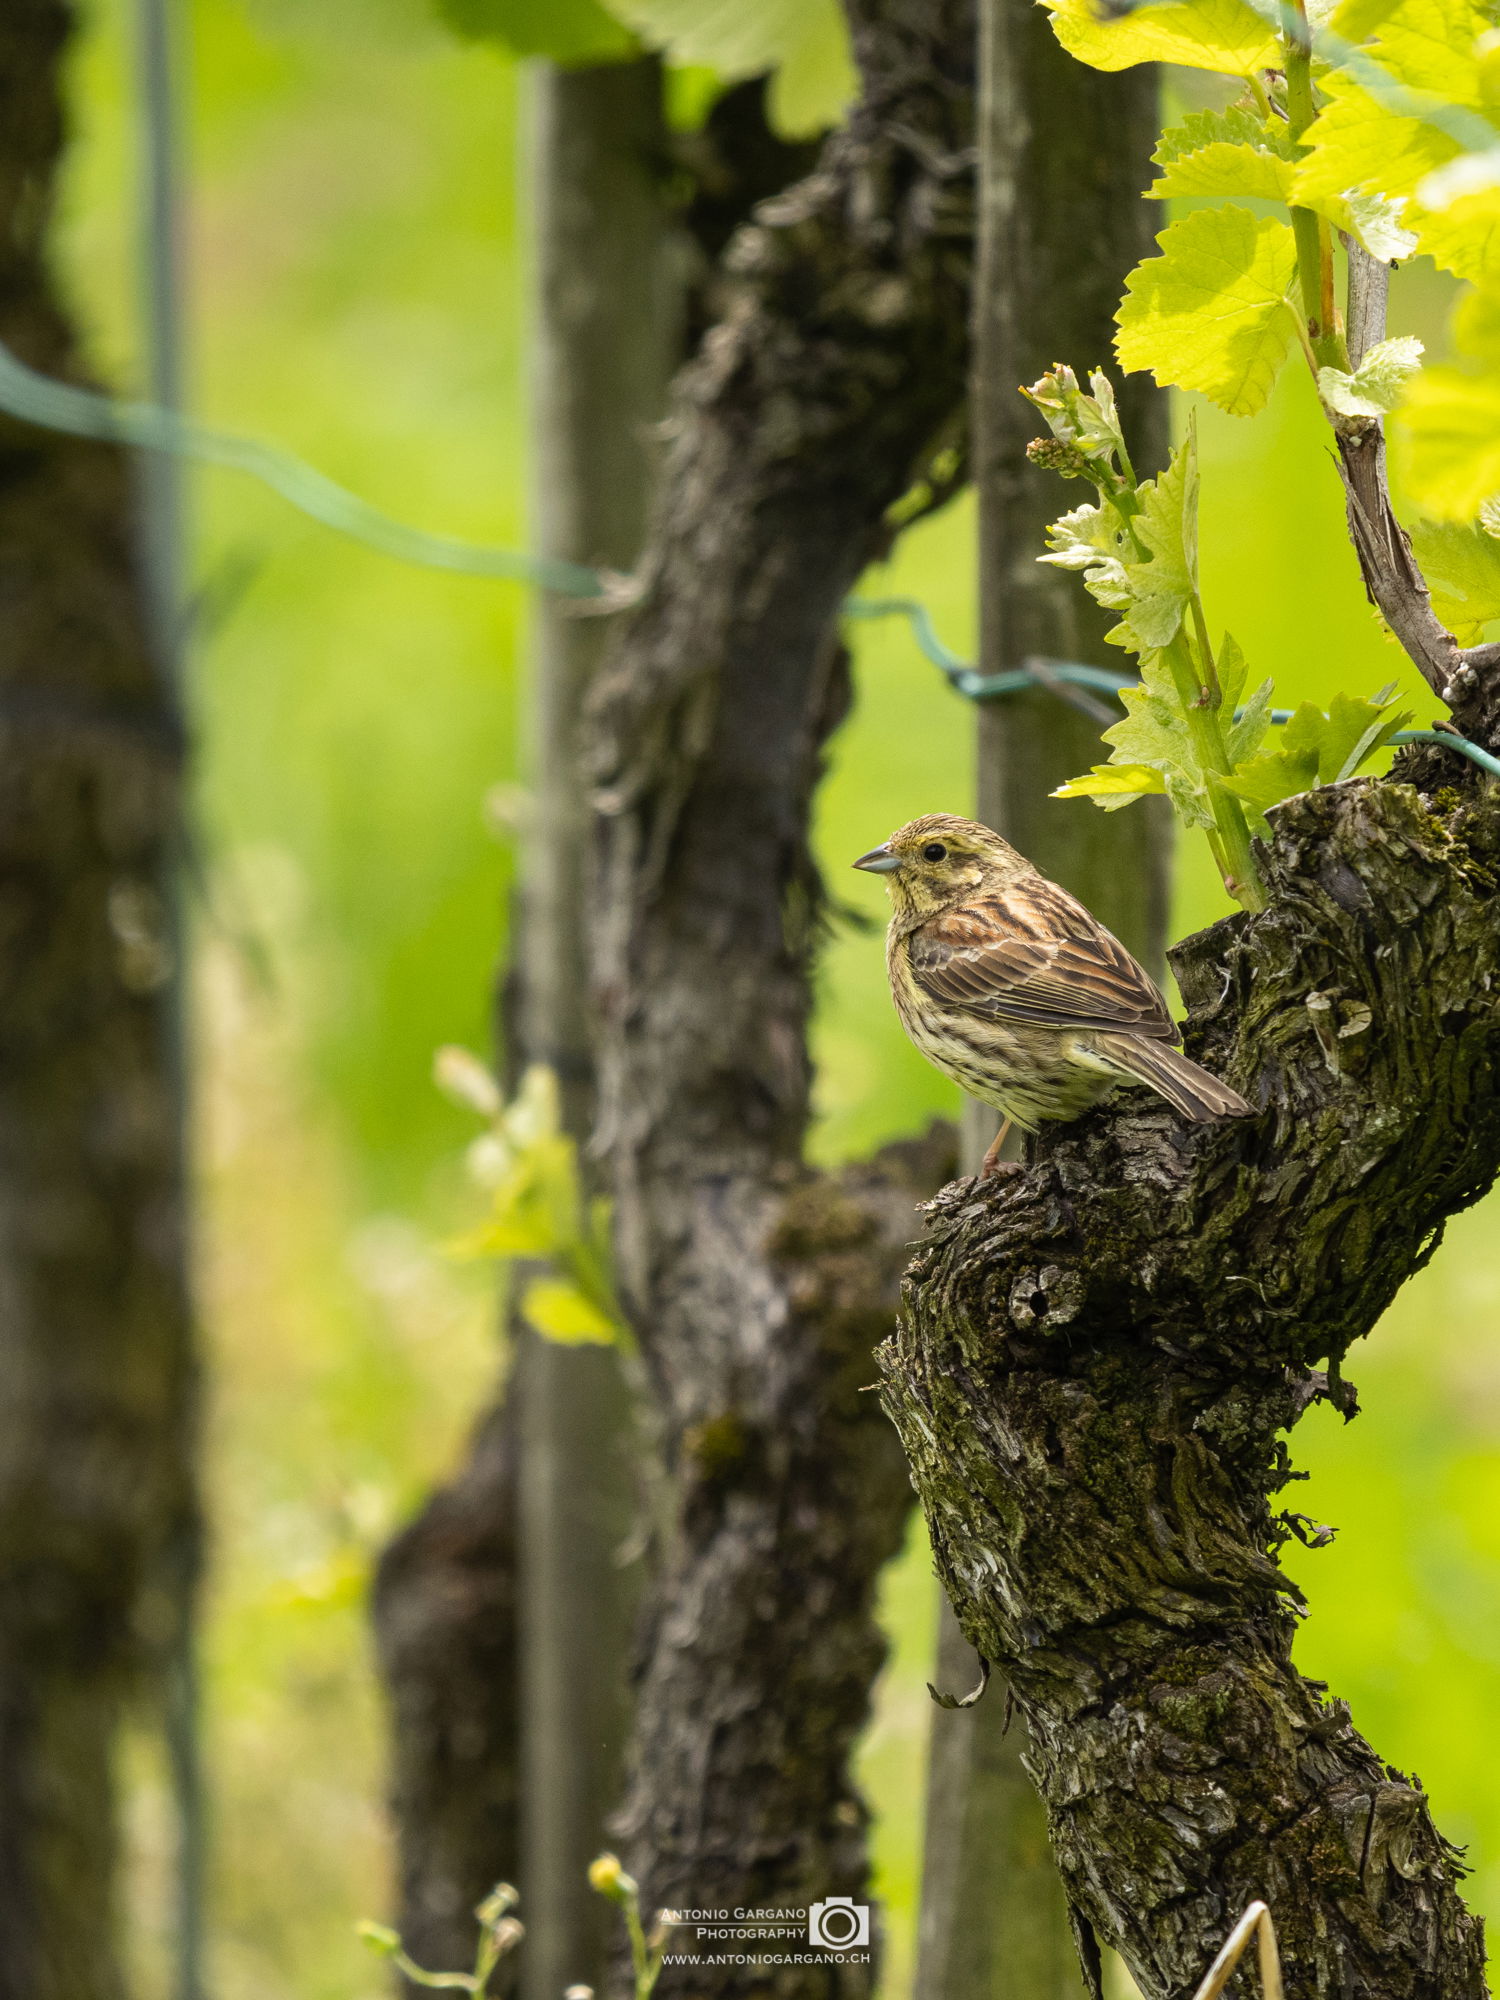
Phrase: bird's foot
{"type": "Point", "coordinates": [995, 1170]}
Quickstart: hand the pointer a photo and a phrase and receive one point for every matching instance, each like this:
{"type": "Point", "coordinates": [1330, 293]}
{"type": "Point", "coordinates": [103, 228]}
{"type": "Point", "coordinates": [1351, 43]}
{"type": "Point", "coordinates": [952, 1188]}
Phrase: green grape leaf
{"type": "Point", "coordinates": [1248, 730]}
{"type": "Point", "coordinates": [1223, 35]}
{"type": "Point", "coordinates": [805, 43]}
{"type": "Point", "coordinates": [1462, 566]}
{"type": "Point", "coordinates": [1448, 442]}
{"type": "Point", "coordinates": [1476, 326]}
{"type": "Point", "coordinates": [815, 82]}
{"type": "Point", "coordinates": [1226, 167]}
{"type": "Point", "coordinates": [566, 31]}
{"type": "Point", "coordinates": [1155, 733]}
{"type": "Point", "coordinates": [1145, 568]}
{"type": "Point", "coordinates": [1114, 785]}
{"type": "Point", "coordinates": [1167, 526]}
{"type": "Point", "coordinates": [559, 1311]}
{"type": "Point", "coordinates": [1357, 144]}
{"type": "Point", "coordinates": [1095, 540]}
{"type": "Point", "coordinates": [1426, 45]}
{"type": "Point", "coordinates": [1233, 127]}
{"type": "Point", "coordinates": [1376, 220]}
{"type": "Point", "coordinates": [1372, 149]}
{"type": "Point", "coordinates": [1210, 313]}
{"type": "Point", "coordinates": [1462, 233]}
{"type": "Point", "coordinates": [1243, 737]}
{"type": "Point", "coordinates": [1375, 387]}
{"type": "Point", "coordinates": [1233, 669]}
{"type": "Point", "coordinates": [1314, 749]}
{"type": "Point", "coordinates": [1357, 20]}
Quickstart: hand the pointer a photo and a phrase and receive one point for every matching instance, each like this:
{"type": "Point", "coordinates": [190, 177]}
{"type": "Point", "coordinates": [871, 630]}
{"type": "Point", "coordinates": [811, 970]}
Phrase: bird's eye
{"type": "Point", "coordinates": [934, 851]}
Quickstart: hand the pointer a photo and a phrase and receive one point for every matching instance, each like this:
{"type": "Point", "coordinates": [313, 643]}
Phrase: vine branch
{"type": "Point", "coordinates": [1463, 677]}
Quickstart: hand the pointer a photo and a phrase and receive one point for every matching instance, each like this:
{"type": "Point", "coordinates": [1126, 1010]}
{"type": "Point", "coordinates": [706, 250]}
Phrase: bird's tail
{"type": "Point", "coordinates": [1192, 1091]}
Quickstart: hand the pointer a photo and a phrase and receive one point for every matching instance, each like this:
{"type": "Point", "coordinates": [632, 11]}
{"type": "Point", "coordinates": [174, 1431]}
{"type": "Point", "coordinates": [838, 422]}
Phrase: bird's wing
{"type": "Point", "coordinates": [1032, 953]}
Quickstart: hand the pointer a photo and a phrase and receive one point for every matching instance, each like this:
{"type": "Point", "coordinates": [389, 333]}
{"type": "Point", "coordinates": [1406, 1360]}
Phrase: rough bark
{"type": "Point", "coordinates": [761, 1643]}
{"type": "Point", "coordinates": [734, 162]}
{"type": "Point", "coordinates": [1096, 1367]}
{"type": "Point", "coordinates": [95, 1368]}
{"type": "Point", "coordinates": [1064, 155]}
{"type": "Point", "coordinates": [810, 410]}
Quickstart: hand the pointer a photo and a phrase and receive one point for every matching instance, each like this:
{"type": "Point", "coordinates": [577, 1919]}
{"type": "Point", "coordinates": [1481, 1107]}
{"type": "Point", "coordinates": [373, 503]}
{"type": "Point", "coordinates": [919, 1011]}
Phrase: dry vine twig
{"type": "Point", "coordinates": [1256, 1923]}
{"type": "Point", "coordinates": [1393, 582]}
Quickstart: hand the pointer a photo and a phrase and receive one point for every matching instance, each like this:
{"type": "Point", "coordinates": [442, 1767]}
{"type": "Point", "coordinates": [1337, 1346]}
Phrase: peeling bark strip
{"type": "Point", "coordinates": [812, 407]}
{"type": "Point", "coordinates": [1097, 1361]}
{"type": "Point", "coordinates": [95, 1370]}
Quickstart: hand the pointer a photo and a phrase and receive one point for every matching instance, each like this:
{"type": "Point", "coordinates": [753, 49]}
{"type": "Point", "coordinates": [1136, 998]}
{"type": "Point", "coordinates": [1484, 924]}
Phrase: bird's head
{"type": "Point", "coordinates": [939, 861]}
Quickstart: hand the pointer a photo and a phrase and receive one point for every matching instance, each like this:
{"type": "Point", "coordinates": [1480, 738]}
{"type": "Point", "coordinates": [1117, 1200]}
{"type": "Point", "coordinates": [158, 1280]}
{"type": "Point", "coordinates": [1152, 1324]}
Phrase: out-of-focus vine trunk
{"type": "Point", "coordinates": [1064, 155]}
{"type": "Point", "coordinates": [96, 1382]}
{"type": "Point", "coordinates": [449, 1598]}
{"type": "Point", "coordinates": [505, 1611]}
{"type": "Point", "coordinates": [836, 371]}
{"type": "Point", "coordinates": [607, 340]}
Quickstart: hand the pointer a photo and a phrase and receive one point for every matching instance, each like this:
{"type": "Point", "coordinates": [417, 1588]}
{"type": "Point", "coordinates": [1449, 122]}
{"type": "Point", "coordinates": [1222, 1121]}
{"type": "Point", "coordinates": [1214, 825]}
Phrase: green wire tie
{"type": "Point", "coordinates": [78, 412]}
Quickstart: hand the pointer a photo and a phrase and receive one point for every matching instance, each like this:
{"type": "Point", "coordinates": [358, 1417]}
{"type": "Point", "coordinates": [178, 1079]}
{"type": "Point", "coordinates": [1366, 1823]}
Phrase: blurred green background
{"type": "Point", "coordinates": [358, 282]}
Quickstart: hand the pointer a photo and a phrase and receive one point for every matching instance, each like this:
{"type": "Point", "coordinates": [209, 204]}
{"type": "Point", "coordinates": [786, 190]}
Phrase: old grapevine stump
{"type": "Point", "coordinates": [1096, 1367]}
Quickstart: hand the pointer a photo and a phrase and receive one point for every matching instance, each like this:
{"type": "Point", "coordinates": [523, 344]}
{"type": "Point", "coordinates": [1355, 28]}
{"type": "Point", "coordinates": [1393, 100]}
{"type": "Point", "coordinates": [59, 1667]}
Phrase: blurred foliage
{"type": "Point", "coordinates": [539, 1212]}
{"type": "Point", "coordinates": [359, 285]}
{"type": "Point", "coordinates": [498, 1933]}
{"type": "Point", "coordinates": [568, 31]}
{"type": "Point", "coordinates": [803, 45]}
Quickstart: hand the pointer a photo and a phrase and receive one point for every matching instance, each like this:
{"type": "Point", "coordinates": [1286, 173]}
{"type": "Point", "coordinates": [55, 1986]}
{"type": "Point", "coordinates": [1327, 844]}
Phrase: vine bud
{"type": "Point", "coordinates": [609, 1878]}
{"type": "Point", "coordinates": [1056, 456]}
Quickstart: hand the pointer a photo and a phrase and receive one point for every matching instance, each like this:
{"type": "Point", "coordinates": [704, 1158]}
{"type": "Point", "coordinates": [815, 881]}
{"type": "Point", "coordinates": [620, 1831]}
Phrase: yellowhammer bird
{"type": "Point", "coordinates": [1009, 986]}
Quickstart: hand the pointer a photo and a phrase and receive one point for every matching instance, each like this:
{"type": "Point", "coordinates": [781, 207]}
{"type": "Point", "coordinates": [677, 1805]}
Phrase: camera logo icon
{"type": "Point", "coordinates": [839, 1924]}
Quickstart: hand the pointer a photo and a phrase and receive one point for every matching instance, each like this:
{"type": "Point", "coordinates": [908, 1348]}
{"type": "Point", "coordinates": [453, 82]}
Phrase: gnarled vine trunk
{"type": "Point", "coordinates": [835, 371]}
{"type": "Point", "coordinates": [1098, 1361]}
{"type": "Point", "coordinates": [1064, 154]}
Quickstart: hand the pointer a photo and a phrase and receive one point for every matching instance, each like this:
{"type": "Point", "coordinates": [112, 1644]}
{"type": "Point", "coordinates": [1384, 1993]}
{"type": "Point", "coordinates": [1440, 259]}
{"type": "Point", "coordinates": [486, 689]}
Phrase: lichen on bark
{"type": "Point", "coordinates": [1097, 1365]}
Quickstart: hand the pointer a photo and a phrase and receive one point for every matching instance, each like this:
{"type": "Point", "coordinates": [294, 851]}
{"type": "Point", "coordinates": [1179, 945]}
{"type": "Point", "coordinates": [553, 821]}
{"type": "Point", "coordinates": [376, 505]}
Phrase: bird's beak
{"type": "Point", "coordinates": [879, 861]}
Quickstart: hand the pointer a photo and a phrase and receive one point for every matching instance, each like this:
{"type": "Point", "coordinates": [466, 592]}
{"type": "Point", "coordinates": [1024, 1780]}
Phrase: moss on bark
{"type": "Point", "coordinates": [1097, 1365]}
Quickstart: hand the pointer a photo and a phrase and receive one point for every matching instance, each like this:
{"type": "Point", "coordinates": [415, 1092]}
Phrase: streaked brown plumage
{"type": "Point", "coordinates": [1007, 984]}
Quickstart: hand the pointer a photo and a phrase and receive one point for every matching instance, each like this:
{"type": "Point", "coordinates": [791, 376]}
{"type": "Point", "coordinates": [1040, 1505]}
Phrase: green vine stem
{"type": "Point", "coordinates": [1197, 685]}
{"type": "Point", "coordinates": [1229, 837]}
{"type": "Point", "coordinates": [1313, 237]}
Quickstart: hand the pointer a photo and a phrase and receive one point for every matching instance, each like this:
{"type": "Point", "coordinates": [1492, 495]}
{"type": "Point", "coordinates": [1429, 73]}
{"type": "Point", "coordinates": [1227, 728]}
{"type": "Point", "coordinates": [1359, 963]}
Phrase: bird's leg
{"type": "Point", "coordinates": [992, 1163]}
